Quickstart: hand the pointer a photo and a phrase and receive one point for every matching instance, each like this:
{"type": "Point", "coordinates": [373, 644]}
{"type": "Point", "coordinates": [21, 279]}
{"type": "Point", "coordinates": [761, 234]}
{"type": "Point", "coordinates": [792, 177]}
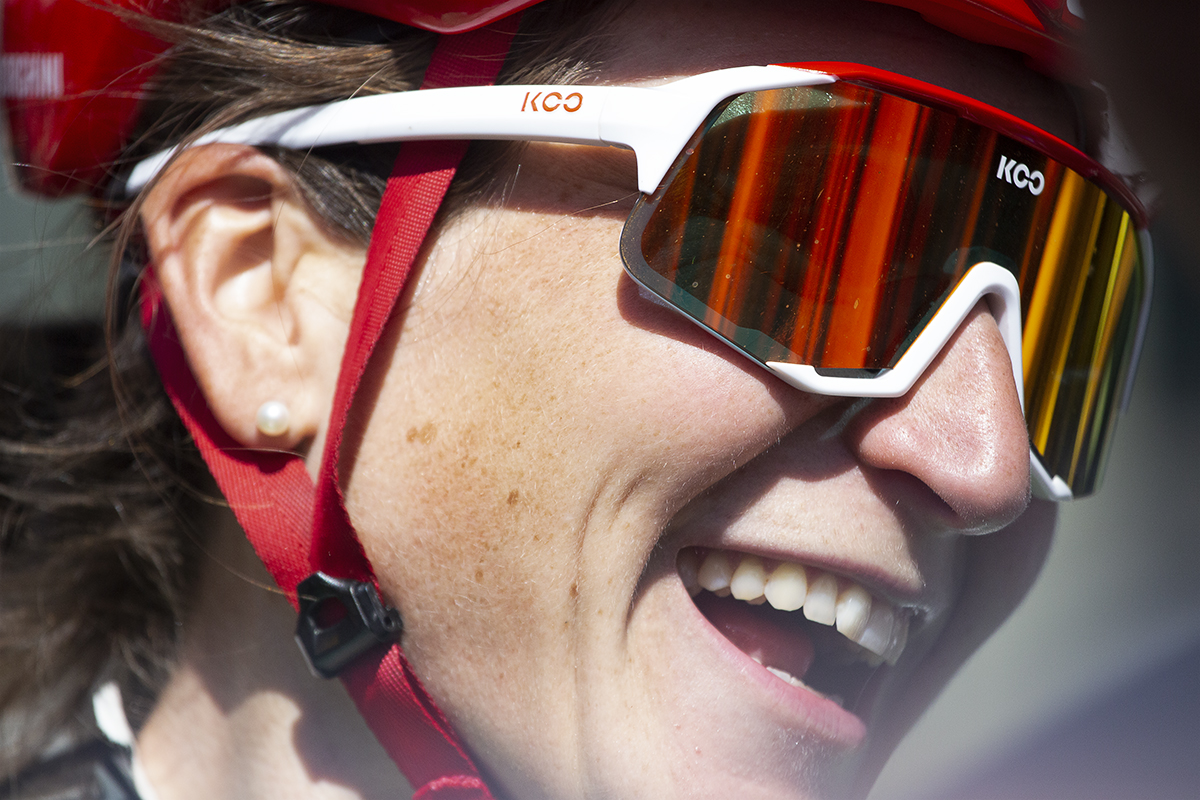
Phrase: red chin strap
{"type": "Point", "coordinates": [298, 529]}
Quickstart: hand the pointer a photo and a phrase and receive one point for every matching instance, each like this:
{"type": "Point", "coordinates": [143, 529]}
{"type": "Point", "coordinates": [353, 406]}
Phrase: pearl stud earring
{"type": "Point", "coordinates": [273, 418]}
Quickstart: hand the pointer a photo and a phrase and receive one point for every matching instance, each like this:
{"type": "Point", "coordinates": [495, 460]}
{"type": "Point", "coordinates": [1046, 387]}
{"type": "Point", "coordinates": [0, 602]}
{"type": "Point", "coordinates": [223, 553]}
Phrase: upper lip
{"type": "Point", "coordinates": [928, 595]}
{"type": "Point", "coordinates": [861, 524]}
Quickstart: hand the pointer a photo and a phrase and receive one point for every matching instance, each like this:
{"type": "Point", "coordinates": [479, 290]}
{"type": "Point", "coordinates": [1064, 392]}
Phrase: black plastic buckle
{"type": "Point", "coordinates": [340, 620]}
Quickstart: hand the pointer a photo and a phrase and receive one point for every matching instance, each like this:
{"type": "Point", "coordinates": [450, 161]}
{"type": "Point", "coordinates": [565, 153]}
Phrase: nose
{"type": "Point", "coordinates": [959, 430]}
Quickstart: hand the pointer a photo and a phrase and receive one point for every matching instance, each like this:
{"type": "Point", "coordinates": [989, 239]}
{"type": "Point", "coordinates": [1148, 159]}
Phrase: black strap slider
{"type": "Point", "coordinates": [340, 620]}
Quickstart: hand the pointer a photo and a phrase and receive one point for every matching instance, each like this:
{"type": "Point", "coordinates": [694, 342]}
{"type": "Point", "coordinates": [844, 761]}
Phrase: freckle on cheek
{"type": "Point", "coordinates": [425, 434]}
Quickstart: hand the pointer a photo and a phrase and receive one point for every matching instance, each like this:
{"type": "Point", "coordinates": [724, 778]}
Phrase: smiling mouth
{"type": "Point", "coordinates": [808, 627]}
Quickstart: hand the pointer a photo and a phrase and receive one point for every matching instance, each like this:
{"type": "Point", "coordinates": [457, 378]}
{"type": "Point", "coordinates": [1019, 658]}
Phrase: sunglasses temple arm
{"type": "Point", "coordinates": [655, 122]}
{"type": "Point", "coordinates": [547, 113]}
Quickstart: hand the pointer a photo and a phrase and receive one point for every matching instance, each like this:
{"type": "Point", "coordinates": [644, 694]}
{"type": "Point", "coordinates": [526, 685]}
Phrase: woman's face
{"type": "Point", "coordinates": [547, 458]}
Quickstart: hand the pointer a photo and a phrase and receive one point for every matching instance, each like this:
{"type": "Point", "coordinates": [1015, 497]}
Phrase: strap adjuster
{"type": "Point", "coordinates": [340, 620]}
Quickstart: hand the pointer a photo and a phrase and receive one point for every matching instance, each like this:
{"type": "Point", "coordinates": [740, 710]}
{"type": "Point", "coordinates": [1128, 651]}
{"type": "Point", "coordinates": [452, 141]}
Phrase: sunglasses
{"type": "Point", "coordinates": [836, 224]}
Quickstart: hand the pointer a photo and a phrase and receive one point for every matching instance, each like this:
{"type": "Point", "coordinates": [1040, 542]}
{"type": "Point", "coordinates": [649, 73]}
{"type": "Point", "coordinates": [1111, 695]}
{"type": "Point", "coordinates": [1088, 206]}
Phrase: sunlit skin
{"type": "Point", "coordinates": [659, 438]}
{"type": "Point", "coordinates": [537, 442]}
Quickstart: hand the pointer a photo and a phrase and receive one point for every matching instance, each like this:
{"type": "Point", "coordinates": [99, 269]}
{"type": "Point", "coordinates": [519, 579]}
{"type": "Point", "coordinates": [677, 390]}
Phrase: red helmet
{"type": "Point", "coordinates": [74, 70]}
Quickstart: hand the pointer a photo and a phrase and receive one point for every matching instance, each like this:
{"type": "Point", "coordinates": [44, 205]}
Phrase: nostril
{"type": "Point", "coordinates": [986, 489]}
{"type": "Point", "coordinates": [960, 430]}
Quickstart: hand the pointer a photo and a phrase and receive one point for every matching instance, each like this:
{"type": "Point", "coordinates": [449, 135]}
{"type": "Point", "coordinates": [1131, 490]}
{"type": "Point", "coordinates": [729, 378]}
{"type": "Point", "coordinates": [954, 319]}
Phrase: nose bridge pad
{"type": "Point", "coordinates": [1003, 297]}
{"type": "Point", "coordinates": [985, 279]}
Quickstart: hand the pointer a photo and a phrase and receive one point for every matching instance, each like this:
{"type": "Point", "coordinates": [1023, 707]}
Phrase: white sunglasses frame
{"type": "Point", "coordinates": [656, 123]}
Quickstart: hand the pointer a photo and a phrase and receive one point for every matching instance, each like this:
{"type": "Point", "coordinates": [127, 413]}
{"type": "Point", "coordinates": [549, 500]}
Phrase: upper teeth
{"type": "Point", "coordinates": [869, 621]}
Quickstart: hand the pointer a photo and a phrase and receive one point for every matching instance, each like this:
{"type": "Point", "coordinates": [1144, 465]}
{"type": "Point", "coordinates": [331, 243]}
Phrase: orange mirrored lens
{"type": "Point", "coordinates": [826, 225]}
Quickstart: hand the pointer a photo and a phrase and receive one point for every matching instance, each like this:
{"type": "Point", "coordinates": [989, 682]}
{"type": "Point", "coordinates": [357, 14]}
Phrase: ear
{"type": "Point", "coordinates": [260, 292]}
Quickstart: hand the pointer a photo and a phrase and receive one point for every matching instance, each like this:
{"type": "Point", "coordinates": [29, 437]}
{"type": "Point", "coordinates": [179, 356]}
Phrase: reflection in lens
{"type": "Point", "coordinates": [825, 226]}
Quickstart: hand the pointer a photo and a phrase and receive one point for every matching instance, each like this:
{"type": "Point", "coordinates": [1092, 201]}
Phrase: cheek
{"type": "Point", "coordinates": [532, 413]}
{"type": "Point", "coordinates": [538, 362]}
{"type": "Point", "coordinates": [488, 442]}
{"type": "Point", "coordinates": [450, 516]}
{"type": "Point", "coordinates": [519, 379]}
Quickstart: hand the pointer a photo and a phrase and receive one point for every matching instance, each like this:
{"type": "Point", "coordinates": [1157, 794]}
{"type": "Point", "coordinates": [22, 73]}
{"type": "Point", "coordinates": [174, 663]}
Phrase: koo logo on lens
{"type": "Point", "coordinates": [1021, 176]}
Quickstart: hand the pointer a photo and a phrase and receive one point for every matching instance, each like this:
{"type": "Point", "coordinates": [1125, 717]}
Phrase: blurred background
{"type": "Point", "coordinates": [50, 272]}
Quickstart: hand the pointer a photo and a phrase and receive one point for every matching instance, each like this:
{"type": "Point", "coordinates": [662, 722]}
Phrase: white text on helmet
{"type": "Point", "coordinates": [32, 75]}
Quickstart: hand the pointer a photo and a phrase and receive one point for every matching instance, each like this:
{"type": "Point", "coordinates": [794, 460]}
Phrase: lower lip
{"type": "Point", "coordinates": [820, 716]}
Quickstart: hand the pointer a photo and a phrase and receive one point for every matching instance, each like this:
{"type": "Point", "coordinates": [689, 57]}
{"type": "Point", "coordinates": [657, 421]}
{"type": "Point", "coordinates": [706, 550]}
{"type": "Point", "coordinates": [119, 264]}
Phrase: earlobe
{"type": "Point", "coordinates": [260, 292]}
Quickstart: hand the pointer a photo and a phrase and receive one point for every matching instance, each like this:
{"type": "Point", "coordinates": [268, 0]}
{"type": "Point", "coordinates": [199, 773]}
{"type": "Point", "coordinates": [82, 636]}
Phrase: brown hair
{"type": "Point", "coordinates": [102, 494]}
